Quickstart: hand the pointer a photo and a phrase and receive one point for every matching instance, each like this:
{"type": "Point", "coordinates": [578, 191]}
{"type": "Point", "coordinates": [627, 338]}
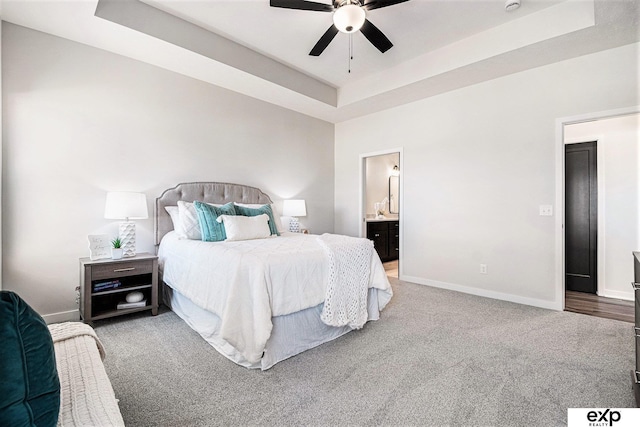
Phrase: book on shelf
{"type": "Point", "coordinates": [126, 305]}
{"type": "Point", "coordinates": [105, 286]}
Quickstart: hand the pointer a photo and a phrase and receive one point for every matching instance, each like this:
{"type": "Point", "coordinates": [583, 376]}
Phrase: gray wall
{"type": "Point", "coordinates": [478, 162]}
{"type": "Point", "coordinates": [79, 122]}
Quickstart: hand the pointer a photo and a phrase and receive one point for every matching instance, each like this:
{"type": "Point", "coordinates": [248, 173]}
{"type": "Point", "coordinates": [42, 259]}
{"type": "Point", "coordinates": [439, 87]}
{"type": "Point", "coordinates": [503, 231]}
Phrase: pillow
{"type": "Point", "coordinates": [286, 222]}
{"type": "Point", "coordinates": [263, 209]}
{"type": "Point", "coordinates": [188, 223]}
{"type": "Point", "coordinates": [29, 385]}
{"type": "Point", "coordinates": [173, 213]}
{"type": "Point", "coordinates": [277, 219]}
{"type": "Point", "coordinates": [211, 230]}
{"type": "Point", "coordinates": [279, 225]}
{"type": "Point", "coordinates": [245, 227]}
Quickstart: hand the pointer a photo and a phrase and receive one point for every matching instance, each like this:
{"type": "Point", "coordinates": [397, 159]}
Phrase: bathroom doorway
{"type": "Point", "coordinates": [381, 206]}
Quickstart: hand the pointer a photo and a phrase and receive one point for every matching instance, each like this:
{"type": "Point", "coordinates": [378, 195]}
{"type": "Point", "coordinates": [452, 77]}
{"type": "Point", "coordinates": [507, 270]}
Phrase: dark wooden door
{"type": "Point", "coordinates": [581, 217]}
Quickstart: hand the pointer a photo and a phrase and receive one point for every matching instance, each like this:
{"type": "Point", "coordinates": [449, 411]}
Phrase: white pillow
{"type": "Point", "coordinates": [188, 225]}
{"type": "Point", "coordinates": [173, 213]}
{"type": "Point", "coordinates": [239, 227]}
{"type": "Point", "coordinates": [285, 221]}
{"type": "Point", "coordinates": [276, 217]}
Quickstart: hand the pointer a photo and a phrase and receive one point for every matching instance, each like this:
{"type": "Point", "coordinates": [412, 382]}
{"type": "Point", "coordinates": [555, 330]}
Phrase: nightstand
{"type": "Point", "coordinates": [104, 284]}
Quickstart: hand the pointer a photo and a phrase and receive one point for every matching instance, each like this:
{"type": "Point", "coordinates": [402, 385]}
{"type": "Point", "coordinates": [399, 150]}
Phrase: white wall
{"type": "Point", "coordinates": [478, 162]}
{"type": "Point", "coordinates": [618, 198]}
{"type": "Point", "coordinates": [79, 122]}
{"type": "Point", "coordinates": [378, 170]}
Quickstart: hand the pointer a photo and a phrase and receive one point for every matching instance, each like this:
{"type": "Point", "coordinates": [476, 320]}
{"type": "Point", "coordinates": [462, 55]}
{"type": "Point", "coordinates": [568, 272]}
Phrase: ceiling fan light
{"type": "Point", "coordinates": [349, 18]}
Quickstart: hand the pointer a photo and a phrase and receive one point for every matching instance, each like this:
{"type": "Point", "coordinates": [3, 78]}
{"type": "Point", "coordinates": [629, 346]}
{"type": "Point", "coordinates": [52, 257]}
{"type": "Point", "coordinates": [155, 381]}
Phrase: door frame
{"type": "Point", "coordinates": [362, 196]}
{"type": "Point", "coordinates": [559, 301]}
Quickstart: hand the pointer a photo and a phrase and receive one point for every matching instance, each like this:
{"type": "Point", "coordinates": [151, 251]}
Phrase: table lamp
{"type": "Point", "coordinates": [294, 209]}
{"type": "Point", "coordinates": [126, 205]}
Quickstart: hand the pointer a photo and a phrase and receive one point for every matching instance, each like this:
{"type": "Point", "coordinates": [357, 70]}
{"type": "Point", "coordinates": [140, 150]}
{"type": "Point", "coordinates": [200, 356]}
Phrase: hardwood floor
{"type": "Point", "coordinates": [593, 305]}
{"type": "Point", "coordinates": [391, 268]}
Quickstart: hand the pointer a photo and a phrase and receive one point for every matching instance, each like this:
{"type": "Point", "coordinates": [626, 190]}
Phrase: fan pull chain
{"type": "Point", "coordinates": [350, 50]}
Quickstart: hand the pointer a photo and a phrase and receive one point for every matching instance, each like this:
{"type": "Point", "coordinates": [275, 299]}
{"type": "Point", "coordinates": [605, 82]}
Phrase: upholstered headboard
{"type": "Point", "coordinates": [209, 192]}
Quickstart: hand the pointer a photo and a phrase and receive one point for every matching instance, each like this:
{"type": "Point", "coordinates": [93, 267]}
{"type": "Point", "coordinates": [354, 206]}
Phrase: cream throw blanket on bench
{"type": "Point", "coordinates": [348, 285]}
{"type": "Point", "coordinates": [86, 395]}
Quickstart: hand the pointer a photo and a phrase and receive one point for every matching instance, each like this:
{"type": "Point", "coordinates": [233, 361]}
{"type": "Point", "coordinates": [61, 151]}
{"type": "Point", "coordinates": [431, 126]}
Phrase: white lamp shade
{"type": "Point", "coordinates": [126, 205]}
{"type": "Point", "coordinates": [349, 18]}
{"type": "Point", "coordinates": [294, 208]}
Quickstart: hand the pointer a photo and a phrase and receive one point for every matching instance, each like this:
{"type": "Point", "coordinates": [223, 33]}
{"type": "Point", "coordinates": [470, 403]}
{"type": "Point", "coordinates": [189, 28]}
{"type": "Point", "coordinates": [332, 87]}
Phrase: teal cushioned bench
{"type": "Point", "coordinates": [29, 384]}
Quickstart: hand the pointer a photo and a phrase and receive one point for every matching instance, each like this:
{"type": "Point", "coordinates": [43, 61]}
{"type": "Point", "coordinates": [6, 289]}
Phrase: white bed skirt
{"type": "Point", "coordinates": [291, 334]}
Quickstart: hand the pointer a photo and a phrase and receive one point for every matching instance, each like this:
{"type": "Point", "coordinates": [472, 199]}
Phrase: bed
{"type": "Point", "coordinates": [261, 301]}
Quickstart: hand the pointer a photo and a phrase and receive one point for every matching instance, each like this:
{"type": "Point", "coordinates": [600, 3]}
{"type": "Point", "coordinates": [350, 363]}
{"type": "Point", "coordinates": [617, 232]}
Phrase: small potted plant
{"type": "Point", "coordinates": [116, 250]}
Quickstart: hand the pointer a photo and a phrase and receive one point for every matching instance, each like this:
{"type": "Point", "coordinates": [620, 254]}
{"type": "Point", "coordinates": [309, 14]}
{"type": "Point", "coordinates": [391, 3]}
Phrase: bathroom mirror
{"type": "Point", "coordinates": [394, 194]}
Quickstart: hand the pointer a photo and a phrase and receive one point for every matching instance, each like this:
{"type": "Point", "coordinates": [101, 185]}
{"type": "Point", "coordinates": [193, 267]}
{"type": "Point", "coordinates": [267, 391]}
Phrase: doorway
{"type": "Point", "coordinates": [381, 206]}
{"type": "Point", "coordinates": [602, 216]}
{"type": "Point", "coordinates": [581, 217]}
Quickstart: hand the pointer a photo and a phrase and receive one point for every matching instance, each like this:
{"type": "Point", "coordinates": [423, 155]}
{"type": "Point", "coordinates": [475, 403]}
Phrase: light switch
{"type": "Point", "coordinates": [546, 210]}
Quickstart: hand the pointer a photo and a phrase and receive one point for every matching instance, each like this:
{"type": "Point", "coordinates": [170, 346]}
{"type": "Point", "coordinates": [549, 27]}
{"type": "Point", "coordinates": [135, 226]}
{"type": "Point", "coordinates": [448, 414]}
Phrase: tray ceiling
{"type": "Point", "coordinates": [251, 48]}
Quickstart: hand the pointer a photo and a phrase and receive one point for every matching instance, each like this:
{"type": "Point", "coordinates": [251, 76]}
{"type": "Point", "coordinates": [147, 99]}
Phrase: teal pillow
{"type": "Point", "coordinates": [29, 384]}
{"type": "Point", "coordinates": [212, 230]}
{"type": "Point", "coordinates": [266, 209]}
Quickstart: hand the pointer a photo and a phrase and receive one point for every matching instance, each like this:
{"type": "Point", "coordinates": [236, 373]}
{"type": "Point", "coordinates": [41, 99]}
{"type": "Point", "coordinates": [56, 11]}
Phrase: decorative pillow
{"type": "Point", "coordinates": [279, 225]}
{"type": "Point", "coordinates": [245, 227]}
{"type": "Point", "coordinates": [285, 221]}
{"type": "Point", "coordinates": [173, 213]}
{"type": "Point", "coordinates": [29, 384]}
{"type": "Point", "coordinates": [264, 209]}
{"type": "Point", "coordinates": [189, 226]}
{"type": "Point", "coordinates": [211, 230]}
{"type": "Point", "coordinates": [276, 217]}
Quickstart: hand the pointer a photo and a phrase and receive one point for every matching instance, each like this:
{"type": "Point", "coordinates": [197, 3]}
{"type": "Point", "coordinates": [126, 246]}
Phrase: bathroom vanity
{"type": "Point", "coordinates": [385, 234]}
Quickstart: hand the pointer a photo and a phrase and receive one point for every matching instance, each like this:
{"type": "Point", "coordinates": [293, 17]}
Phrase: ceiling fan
{"type": "Point", "coordinates": [349, 16]}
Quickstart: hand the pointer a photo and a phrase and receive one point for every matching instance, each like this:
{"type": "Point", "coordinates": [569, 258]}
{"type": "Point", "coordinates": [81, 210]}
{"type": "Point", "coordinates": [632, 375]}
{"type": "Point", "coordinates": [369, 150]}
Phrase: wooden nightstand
{"type": "Point", "coordinates": [99, 299]}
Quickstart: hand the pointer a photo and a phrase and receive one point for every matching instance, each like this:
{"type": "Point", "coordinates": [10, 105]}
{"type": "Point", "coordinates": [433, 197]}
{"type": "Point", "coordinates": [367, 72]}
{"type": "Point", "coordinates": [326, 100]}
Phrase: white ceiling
{"type": "Point", "coordinates": [414, 27]}
{"type": "Point", "coordinates": [251, 48]}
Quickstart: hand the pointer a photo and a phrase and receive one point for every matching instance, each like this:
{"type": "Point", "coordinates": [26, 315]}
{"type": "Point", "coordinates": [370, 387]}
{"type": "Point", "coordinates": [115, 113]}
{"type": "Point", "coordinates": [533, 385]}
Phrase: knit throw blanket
{"type": "Point", "coordinates": [68, 330]}
{"type": "Point", "coordinates": [348, 280]}
{"type": "Point", "coordinates": [86, 394]}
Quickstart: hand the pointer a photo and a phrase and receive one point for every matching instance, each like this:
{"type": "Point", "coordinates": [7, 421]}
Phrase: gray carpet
{"type": "Point", "coordinates": [435, 357]}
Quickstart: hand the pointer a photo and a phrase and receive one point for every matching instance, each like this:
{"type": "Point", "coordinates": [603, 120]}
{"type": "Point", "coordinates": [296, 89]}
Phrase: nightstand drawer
{"type": "Point", "coordinates": [121, 269]}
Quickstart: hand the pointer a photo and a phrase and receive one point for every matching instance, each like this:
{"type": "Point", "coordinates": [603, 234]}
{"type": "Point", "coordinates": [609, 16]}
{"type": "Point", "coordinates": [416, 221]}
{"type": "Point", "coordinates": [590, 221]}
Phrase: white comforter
{"type": "Point", "coordinates": [245, 283]}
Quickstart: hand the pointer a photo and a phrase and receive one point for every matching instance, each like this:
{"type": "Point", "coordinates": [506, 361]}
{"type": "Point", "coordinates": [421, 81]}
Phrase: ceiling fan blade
{"type": "Point", "coordinates": [302, 5]}
{"type": "Point", "coordinates": [324, 41]}
{"type": "Point", "coordinates": [377, 4]}
{"type": "Point", "coordinates": [375, 36]}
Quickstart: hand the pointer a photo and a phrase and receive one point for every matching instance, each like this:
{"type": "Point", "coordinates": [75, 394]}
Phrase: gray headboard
{"type": "Point", "coordinates": [209, 192]}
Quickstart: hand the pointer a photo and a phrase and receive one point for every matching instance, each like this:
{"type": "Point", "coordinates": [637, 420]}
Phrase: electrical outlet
{"type": "Point", "coordinates": [546, 210]}
{"type": "Point", "coordinates": [483, 268]}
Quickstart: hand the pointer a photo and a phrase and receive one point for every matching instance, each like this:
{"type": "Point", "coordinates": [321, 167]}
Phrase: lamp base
{"type": "Point", "coordinates": [294, 225]}
{"type": "Point", "coordinates": [128, 238]}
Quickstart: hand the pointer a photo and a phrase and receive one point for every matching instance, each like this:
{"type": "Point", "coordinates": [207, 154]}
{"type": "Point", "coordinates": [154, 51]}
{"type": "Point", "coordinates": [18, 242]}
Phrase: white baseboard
{"type": "Point", "coordinates": [608, 293]}
{"type": "Point", "coordinates": [550, 305]}
{"type": "Point", "coordinates": [63, 316]}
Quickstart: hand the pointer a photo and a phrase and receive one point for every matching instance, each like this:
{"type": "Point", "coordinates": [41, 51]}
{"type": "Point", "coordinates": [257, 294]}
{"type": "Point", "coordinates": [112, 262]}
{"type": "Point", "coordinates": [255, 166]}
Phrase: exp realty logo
{"type": "Point", "coordinates": [603, 417]}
